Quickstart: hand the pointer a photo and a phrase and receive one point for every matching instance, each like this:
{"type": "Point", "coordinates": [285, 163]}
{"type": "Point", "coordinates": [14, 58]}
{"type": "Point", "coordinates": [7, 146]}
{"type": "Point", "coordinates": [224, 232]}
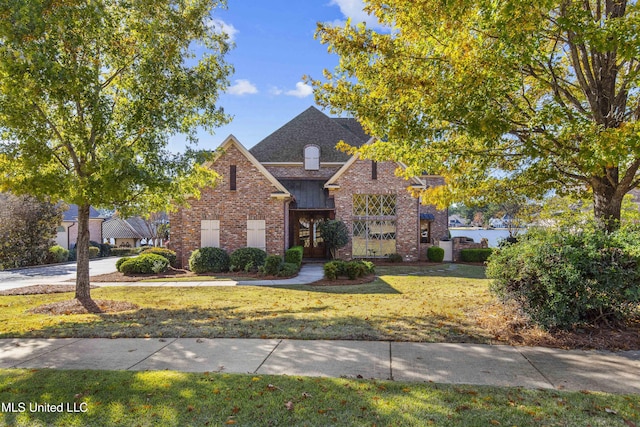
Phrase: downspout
{"type": "Point", "coordinates": [68, 237]}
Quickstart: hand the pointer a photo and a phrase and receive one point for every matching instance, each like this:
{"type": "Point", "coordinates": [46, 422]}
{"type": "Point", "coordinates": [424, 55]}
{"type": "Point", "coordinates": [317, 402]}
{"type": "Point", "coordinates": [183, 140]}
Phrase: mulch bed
{"type": "Point", "coordinates": [509, 326]}
{"type": "Point", "coordinates": [40, 289]}
{"type": "Point", "coordinates": [76, 307]}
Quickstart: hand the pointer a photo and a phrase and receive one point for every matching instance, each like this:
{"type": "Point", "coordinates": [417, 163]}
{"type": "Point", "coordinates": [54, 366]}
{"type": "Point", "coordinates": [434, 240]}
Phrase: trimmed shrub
{"type": "Point", "coordinates": [247, 259]}
{"type": "Point", "coordinates": [568, 277]}
{"type": "Point", "coordinates": [370, 267]}
{"type": "Point", "coordinates": [144, 264]}
{"type": "Point", "coordinates": [167, 253]}
{"type": "Point", "coordinates": [120, 262]}
{"type": "Point", "coordinates": [272, 265]}
{"type": "Point", "coordinates": [209, 260]}
{"type": "Point", "coordinates": [435, 254]}
{"type": "Point", "coordinates": [335, 235]}
{"type": "Point", "coordinates": [294, 255]}
{"type": "Point", "coordinates": [126, 251]}
{"type": "Point", "coordinates": [333, 269]}
{"type": "Point", "coordinates": [475, 255]}
{"type": "Point", "coordinates": [288, 269]}
{"type": "Point", "coordinates": [105, 250]}
{"type": "Point", "coordinates": [58, 254]}
{"type": "Point", "coordinates": [94, 252]}
{"type": "Point", "coordinates": [395, 258]}
{"type": "Point", "coordinates": [355, 269]}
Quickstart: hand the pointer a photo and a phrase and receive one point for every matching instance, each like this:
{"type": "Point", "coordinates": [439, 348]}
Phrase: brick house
{"type": "Point", "coordinates": [275, 195]}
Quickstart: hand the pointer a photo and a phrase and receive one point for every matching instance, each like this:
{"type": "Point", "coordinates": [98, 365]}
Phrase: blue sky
{"type": "Point", "coordinates": [274, 48]}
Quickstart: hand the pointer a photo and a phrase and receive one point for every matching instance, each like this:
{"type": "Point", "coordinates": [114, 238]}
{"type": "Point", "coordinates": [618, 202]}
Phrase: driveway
{"type": "Point", "coordinates": [43, 275]}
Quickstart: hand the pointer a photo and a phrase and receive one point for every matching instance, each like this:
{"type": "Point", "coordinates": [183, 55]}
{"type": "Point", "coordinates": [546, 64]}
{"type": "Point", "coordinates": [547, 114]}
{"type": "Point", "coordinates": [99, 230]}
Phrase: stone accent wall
{"type": "Point", "coordinates": [250, 200]}
{"type": "Point", "coordinates": [357, 179]}
{"type": "Point", "coordinates": [293, 171]}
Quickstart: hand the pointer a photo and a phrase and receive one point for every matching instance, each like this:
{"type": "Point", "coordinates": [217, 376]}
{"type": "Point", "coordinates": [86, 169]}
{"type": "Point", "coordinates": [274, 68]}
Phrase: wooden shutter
{"type": "Point", "coordinates": [256, 234]}
{"type": "Point", "coordinates": [210, 233]}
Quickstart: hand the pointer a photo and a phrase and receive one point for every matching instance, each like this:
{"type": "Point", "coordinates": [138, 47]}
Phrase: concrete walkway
{"type": "Point", "coordinates": [309, 273]}
{"type": "Point", "coordinates": [529, 367]}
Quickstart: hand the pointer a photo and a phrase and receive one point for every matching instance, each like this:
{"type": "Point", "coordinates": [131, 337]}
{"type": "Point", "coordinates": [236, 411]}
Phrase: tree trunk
{"type": "Point", "coordinates": [83, 286]}
{"type": "Point", "coordinates": [607, 204]}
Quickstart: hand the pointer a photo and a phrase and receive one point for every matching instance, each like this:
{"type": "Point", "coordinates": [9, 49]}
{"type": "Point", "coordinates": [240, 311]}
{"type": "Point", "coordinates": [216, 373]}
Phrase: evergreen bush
{"type": "Point", "coordinates": [145, 264]}
{"type": "Point", "coordinates": [247, 259]}
{"type": "Point", "coordinates": [209, 260]}
{"type": "Point", "coordinates": [272, 265]}
{"type": "Point", "coordinates": [435, 254]}
{"type": "Point", "coordinates": [167, 253]}
{"type": "Point", "coordinates": [475, 255]}
{"type": "Point", "coordinates": [288, 269]}
{"type": "Point", "coordinates": [294, 255]}
{"type": "Point", "coordinates": [563, 278]}
{"type": "Point", "coordinates": [58, 254]}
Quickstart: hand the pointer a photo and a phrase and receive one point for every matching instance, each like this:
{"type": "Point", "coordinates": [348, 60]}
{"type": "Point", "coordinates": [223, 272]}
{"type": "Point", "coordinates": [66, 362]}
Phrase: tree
{"type": "Point", "coordinates": [501, 98]}
{"type": "Point", "coordinates": [27, 229]}
{"type": "Point", "coordinates": [90, 92]}
{"type": "Point", "coordinates": [334, 234]}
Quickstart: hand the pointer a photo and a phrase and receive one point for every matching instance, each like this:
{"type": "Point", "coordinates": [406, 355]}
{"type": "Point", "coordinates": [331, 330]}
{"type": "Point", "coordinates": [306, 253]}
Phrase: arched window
{"type": "Point", "coordinates": [312, 157]}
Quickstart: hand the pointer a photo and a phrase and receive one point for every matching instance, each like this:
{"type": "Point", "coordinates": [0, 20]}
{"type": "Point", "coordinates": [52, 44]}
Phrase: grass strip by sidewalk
{"type": "Point", "coordinates": [196, 399]}
{"type": "Point", "coordinates": [405, 303]}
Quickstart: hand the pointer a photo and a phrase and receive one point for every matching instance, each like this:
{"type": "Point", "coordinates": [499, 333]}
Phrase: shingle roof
{"type": "Point", "coordinates": [71, 214]}
{"type": "Point", "coordinates": [310, 127]}
{"type": "Point", "coordinates": [131, 228]}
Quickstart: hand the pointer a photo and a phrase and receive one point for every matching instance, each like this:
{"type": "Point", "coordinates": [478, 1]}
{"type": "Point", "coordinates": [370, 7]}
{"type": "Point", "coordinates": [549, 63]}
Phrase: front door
{"type": "Point", "coordinates": [307, 234]}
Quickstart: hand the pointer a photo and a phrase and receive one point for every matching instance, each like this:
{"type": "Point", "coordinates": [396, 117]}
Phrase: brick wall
{"type": "Point", "coordinates": [250, 200]}
{"type": "Point", "coordinates": [293, 171]}
{"type": "Point", "coordinates": [460, 243]}
{"type": "Point", "coordinates": [358, 179]}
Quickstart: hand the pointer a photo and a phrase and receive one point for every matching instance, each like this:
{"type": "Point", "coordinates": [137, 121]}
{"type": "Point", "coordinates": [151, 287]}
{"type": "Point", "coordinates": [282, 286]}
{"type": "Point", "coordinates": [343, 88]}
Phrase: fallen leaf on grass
{"type": "Point", "coordinates": [289, 406]}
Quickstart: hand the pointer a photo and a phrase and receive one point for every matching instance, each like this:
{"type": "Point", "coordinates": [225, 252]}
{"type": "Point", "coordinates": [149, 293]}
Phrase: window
{"type": "Point", "coordinates": [232, 177]}
{"type": "Point", "coordinates": [256, 234]}
{"type": "Point", "coordinates": [374, 169]}
{"type": "Point", "coordinates": [210, 233]}
{"type": "Point", "coordinates": [374, 225]}
{"type": "Point", "coordinates": [312, 157]}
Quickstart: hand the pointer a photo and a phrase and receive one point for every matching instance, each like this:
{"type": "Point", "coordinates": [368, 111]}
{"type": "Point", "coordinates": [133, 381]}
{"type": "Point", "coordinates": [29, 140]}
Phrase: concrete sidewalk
{"type": "Point", "coordinates": [309, 273]}
{"type": "Point", "coordinates": [529, 367]}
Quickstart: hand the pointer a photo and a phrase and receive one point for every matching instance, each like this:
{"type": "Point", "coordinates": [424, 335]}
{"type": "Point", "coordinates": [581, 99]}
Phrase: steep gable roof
{"type": "Point", "coordinates": [231, 140]}
{"type": "Point", "coordinates": [310, 127]}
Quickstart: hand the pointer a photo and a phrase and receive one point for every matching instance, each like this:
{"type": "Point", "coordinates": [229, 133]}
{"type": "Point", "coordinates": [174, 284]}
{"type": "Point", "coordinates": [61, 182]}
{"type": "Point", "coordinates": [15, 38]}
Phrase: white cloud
{"type": "Point", "coordinates": [219, 26]}
{"type": "Point", "coordinates": [302, 90]}
{"type": "Point", "coordinates": [242, 87]}
{"type": "Point", "coordinates": [273, 90]}
{"type": "Point", "coordinates": [354, 9]}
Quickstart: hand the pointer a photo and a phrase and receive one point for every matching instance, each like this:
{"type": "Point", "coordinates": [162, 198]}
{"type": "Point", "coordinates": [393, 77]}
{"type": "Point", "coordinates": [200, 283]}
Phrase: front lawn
{"type": "Point", "coordinates": [429, 305]}
{"type": "Point", "coordinates": [106, 398]}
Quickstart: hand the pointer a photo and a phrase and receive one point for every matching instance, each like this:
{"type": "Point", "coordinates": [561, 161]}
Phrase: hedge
{"type": "Point", "coordinates": [294, 255]}
{"type": "Point", "coordinates": [58, 254]}
{"type": "Point", "coordinates": [475, 255]}
{"type": "Point", "coordinates": [209, 260]}
{"type": "Point", "coordinates": [144, 264]}
{"type": "Point", "coordinates": [272, 265]}
{"type": "Point", "coordinates": [247, 259]}
{"type": "Point", "coordinates": [435, 253]}
{"type": "Point", "coordinates": [167, 253]}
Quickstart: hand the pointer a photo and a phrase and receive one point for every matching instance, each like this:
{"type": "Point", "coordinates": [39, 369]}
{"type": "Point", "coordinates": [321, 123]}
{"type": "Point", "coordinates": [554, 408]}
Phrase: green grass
{"type": "Point", "coordinates": [182, 399]}
{"type": "Point", "coordinates": [426, 306]}
{"type": "Point", "coordinates": [199, 279]}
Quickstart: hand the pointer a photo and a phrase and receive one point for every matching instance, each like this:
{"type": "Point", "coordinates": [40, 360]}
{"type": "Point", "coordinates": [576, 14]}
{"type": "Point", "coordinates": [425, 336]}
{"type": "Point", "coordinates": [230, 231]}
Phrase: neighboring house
{"type": "Point", "coordinates": [68, 230]}
{"type": "Point", "coordinates": [275, 196]}
{"type": "Point", "coordinates": [456, 220]}
{"type": "Point", "coordinates": [127, 233]}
